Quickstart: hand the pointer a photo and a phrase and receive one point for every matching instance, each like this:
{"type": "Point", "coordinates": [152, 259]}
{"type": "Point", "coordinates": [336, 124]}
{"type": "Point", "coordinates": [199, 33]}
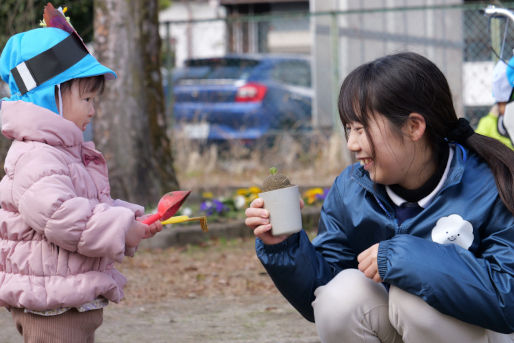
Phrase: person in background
{"type": "Point", "coordinates": [492, 125]}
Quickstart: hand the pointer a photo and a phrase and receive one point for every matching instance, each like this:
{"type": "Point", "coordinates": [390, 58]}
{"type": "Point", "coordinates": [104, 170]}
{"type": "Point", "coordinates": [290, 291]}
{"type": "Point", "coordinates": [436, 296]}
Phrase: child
{"type": "Point", "coordinates": [60, 231]}
{"type": "Point", "coordinates": [415, 243]}
{"type": "Point", "coordinates": [492, 125]}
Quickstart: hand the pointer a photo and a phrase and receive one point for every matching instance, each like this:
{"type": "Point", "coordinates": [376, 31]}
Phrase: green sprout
{"type": "Point", "coordinates": [273, 170]}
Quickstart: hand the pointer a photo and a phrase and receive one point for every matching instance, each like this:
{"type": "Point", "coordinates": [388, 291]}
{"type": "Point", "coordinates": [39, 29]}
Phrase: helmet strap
{"type": "Point", "coordinates": [40, 68]}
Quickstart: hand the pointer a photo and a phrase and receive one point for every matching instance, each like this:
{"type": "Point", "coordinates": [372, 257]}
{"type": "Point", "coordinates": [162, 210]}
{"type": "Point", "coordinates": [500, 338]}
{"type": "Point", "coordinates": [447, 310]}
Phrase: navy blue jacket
{"type": "Point", "coordinates": [457, 254]}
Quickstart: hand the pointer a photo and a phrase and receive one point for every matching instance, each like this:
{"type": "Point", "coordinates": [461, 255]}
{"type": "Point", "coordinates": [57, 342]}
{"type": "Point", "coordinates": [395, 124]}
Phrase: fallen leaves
{"type": "Point", "coordinates": [218, 268]}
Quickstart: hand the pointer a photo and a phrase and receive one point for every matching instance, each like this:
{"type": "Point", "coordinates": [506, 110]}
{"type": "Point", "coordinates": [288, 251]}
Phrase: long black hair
{"type": "Point", "coordinates": [404, 83]}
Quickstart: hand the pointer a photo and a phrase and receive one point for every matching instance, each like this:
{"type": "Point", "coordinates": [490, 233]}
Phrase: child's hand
{"type": "Point", "coordinates": [257, 219]}
{"type": "Point", "coordinates": [135, 234]}
{"type": "Point", "coordinates": [152, 229]}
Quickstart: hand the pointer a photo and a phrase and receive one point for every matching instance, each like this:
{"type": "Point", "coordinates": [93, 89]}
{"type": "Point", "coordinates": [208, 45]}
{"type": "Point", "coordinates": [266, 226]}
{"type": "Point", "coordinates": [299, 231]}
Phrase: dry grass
{"type": "Point", "coordinates": [312, 160]}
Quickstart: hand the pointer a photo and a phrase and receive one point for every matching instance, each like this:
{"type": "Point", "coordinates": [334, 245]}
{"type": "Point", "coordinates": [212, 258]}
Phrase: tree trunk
{"type": "Point", "coordinates": [130, 126]}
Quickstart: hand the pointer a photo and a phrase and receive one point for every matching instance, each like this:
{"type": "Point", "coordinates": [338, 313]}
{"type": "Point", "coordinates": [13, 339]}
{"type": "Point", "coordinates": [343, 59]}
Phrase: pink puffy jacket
{"type": "Point", "coordinates": [60, 231]}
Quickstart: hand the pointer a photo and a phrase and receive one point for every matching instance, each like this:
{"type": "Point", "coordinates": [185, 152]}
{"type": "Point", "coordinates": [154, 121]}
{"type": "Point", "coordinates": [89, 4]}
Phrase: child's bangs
{"type": "Point", "coordinates": [92, 84]}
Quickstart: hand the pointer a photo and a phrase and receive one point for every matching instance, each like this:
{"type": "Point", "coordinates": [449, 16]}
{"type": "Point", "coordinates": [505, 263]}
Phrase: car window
{"type": "Point", "coordinates": [190, 73]}
{"type": "Point", "coordinates": [217, 68]}
{"type": "Point", "coordinates": [296, 73]}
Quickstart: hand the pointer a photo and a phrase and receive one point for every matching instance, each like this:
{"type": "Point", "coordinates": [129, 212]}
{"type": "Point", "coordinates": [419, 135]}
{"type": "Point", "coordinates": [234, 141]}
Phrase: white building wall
{"type": "Point", "coordinates": [362, 37]}
{"type": "Point", "coordinates": [477, 80]}
{"type": "Point", "coordinates": [201, 39]}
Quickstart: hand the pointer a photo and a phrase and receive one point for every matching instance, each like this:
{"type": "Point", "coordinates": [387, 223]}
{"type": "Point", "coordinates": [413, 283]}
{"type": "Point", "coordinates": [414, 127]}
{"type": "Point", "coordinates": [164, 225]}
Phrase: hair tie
{"type": "Point", "coordinates": [460, 131]}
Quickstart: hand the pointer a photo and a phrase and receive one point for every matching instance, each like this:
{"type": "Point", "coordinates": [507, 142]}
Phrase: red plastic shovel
{"type": "Point", "coordinates": [167, 206]}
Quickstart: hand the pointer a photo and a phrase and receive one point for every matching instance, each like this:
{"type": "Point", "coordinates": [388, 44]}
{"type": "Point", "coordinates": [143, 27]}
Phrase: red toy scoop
{"type": "Point", "coordinates": [167, 206]}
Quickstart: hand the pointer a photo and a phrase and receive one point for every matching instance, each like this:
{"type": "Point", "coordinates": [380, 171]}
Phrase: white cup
{"type": "Point", "coordinates": [283, 205]}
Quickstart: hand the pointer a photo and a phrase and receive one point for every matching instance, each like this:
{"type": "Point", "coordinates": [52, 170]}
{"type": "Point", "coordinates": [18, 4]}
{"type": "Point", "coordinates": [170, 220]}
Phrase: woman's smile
{"type": "Point", "coordinates": [366, 162]}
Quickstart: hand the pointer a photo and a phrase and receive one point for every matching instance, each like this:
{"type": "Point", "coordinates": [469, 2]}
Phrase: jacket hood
{"type": "Point", "coordinates": [24, 46]}
{"type": "Point", "coordinates": [24, 121]}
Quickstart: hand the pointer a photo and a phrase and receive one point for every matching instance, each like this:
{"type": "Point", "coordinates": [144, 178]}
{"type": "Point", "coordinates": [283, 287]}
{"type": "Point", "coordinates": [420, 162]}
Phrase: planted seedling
{"type": "Point", "coordinates": [282, 200]}
{"type": "Point", "coordinates": [275, 181]}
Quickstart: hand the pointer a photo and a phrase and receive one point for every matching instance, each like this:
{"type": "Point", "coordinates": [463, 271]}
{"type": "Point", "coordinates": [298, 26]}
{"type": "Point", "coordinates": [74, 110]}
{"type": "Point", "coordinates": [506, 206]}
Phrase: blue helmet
{"type": "Point", "coordinates": [34, 62]}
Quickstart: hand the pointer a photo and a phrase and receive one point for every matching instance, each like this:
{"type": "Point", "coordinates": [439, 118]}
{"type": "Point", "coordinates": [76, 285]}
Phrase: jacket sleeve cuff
{"type": "Point", "coordinates": [382, 257]}
{"type": "Point", "coordinates": [282, 246]}
{"type": "Point", "coordinates": [137, 209]}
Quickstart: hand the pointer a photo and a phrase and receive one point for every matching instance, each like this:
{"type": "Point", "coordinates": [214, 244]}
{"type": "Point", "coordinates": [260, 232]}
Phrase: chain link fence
{"type": "Point", "coordinates": [486, 40]}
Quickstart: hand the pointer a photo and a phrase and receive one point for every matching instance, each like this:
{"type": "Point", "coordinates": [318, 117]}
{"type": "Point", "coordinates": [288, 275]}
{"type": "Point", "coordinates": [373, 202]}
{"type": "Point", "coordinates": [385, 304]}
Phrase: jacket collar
{"type": "Point", "coordinates": [457, 166]}
{"type": "Point", "coordinates": [398, 201]}
{"type": "Point", "coordinates": [25, 121]}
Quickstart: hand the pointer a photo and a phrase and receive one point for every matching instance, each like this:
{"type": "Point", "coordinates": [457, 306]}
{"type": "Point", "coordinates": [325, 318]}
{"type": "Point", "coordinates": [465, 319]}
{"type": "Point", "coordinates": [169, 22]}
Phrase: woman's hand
{"type": "Point", "coordinates": [368, 263]}
{"type": "Point", "coordinates": [257, 219]}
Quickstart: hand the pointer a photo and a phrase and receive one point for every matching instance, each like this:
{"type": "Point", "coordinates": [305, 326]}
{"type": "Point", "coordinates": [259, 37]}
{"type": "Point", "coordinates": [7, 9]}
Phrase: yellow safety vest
{"type": "Point", "coordinates": [488, 126]}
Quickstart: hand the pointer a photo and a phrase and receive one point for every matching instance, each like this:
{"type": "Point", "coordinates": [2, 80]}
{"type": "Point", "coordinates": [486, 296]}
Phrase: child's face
{"type": "Point", "coordinates": [78, 108]}
{"type": "Point", "coordinates": [394, 161]}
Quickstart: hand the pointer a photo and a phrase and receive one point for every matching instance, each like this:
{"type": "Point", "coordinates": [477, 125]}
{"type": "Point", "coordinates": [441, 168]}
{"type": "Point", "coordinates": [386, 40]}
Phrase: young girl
{"type": "Point", "coordinates": [60, 231]}
{"type": "Point", "coordinates": [416, 243]}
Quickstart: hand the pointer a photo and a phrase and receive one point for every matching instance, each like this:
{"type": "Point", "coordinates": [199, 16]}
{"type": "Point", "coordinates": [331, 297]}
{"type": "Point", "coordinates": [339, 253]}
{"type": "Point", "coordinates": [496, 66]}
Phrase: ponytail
{"type": "Point", "coordinates": [498, 156]}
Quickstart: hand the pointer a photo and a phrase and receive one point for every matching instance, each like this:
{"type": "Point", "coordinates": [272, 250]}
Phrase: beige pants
{"type": "Point", "coordinates": [71, 326]}
{"type": "Point", "coordinates": [352, 308]}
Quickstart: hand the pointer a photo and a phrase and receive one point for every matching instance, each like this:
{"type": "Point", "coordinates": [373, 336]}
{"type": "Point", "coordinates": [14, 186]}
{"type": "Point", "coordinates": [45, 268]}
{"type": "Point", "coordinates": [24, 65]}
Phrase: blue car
{"type": "Point", "coordinates": [242, 97]}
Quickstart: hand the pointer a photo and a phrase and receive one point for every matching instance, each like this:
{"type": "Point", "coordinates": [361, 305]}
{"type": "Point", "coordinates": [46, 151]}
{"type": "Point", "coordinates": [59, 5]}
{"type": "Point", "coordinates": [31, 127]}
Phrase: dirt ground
{"type": "Point", "coordinates": [215, 292]}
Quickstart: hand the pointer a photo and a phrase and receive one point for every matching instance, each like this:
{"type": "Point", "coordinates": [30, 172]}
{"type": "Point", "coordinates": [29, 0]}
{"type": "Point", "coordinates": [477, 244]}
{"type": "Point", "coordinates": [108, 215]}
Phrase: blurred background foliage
{"type": "Point", "coordinates": [18, 16]}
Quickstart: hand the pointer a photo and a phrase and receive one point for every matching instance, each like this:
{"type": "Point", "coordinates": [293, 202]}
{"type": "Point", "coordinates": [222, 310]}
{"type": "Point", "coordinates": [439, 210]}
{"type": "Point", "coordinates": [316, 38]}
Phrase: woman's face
{"type": "Point", "coordinates": [78, 108]}
{"type": "Point", "coordinates": [395, 160]}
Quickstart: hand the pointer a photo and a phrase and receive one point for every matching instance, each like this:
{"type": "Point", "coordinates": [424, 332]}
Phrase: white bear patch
{"type": "Point", "coordinates": [453, 230]}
